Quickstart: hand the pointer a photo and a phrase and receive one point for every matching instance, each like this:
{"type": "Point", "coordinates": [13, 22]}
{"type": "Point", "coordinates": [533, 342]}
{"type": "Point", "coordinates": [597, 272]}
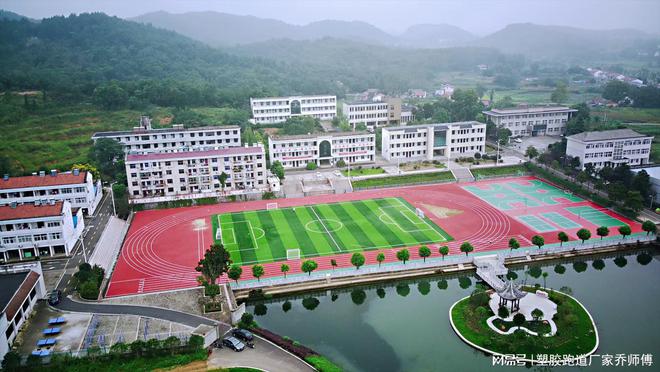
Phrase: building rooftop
{"type": "Point", "coordinates": [9, 284]}
{"type": "Point", "coordinates": [317, 135]}
{"type": "Point", "coordinates": [606, 135]}
{"type": "Point", "coordinates": [528, 110]}
{"type": "Point", "coordinates": [460, 124]}
{"type": "Point", "coordinates": [30, 210]}
{"type": "Point", "coordinates": [196, 154]}
{"type": "Point", "coordinates": [15, 287]}
{"type": "Point", "coordinates": [139, 130]}
{"type": "Point", "coordinates": [654, 172]}
{"type": "Point", "coordinates": [511, 292]}
{"type": "Point", "coordinates": [289, 97]}
{"type": "Point", "coordinates": [67, 178]}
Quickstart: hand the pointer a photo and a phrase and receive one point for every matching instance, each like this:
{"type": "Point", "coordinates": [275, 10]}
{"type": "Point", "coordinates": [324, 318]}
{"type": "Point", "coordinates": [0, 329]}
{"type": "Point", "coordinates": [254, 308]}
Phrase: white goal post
{"type": "Point", "coordinates": [420, 213]}
{"type": "Point", "coordinates": [293, 254]}
{"type": "Point", "coordinates": [270, 206]}
{"type": "Point", "coordinates": [218, 232]}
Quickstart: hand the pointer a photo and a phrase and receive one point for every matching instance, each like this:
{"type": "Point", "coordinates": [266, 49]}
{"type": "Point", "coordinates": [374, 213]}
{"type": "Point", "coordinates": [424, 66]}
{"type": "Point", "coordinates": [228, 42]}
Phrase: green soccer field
{"type": "Point", "coordinates": [323, 229]}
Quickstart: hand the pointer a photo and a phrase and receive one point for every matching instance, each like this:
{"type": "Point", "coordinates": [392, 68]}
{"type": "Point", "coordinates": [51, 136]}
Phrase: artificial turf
{"type": "Point", "coordinates": [323, 229]}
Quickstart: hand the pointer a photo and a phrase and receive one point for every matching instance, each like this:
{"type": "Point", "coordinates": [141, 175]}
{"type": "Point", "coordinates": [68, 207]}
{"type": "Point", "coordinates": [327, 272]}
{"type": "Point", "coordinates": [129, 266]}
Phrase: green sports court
{"type": "Point", "coordinates": [515, 195]}
{"type": "Point", "coordinates": [323, 229]}
{"type": "Point", "coordinates": [595, 216]}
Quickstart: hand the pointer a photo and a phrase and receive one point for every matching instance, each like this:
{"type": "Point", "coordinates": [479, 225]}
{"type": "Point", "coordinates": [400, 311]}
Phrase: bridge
{"type": "Point", "coordinates": [489, 269]}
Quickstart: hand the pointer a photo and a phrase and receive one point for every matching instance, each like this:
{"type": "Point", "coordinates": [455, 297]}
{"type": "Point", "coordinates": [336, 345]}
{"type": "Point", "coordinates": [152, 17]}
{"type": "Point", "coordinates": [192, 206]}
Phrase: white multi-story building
{"type": "Point", "coordinates": [407, 115]}
{"type": "Point", "coordinates": [532, 121]}
{"type": "Point", "coordinates": [278, 109]}
{"type": "Point", "coordinates": [159, 177]}
{"type": "Point", "coordinates": [374, 113]}
{"type": "Point", "coordinates": [22, 286]}
{"type": "Point", "coordinates": [39, 230]}
{"type": "Point", "coordinates": [145, 139]}
{"type": "Point", "coordinates": [323, 149]}
{"type": "Point", "coordinates": [610, 148]}
{"type": "Point", "coordinates": [76, 187]}
{"type": "Point", "coordinates": [423, 142]}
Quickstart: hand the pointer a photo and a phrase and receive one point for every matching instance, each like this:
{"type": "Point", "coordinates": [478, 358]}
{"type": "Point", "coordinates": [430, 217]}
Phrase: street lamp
{"type": "Point", "coordinates": [82, 245]}
{"type": "Point", "coordinates": [112, 195]}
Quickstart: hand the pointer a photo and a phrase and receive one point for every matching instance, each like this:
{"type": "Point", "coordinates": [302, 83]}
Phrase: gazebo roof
{"type": "Point", "coordinates": [511, 292]}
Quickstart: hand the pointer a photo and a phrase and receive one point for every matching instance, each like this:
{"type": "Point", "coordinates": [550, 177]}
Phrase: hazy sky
{"type": "Point", "coordinates": [478, 16]}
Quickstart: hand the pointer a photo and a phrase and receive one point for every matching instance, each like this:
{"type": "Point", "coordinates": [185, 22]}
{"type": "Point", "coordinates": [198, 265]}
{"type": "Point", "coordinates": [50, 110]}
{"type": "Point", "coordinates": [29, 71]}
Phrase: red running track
{"type": "Point", "coordinates": [162, 247]}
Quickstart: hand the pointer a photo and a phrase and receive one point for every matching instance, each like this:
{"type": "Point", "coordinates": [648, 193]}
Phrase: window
{"type": "Point", "coordinates": [40, 237]}
{"type": "Point", "coordinates": [54, 224]}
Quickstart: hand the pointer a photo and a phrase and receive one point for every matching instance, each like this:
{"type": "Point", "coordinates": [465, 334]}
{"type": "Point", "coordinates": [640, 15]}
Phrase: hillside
{"type": "Point", "coordinates": [561, 41]}
{"type": "Point", "coordinates": [71, 56]}
{"type": "Point", "coordinates": [434, 36]}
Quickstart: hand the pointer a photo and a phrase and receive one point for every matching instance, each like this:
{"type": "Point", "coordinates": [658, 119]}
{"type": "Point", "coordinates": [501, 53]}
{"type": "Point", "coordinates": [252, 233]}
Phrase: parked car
{"type": "Point", "coordinates": [517, 140]}
{"type": "Point", "coordinates": [233, 343]}
{"type": "Point", "coordinates": [54, 297]}
{"type": "Point", "coordinates": [242, 334]}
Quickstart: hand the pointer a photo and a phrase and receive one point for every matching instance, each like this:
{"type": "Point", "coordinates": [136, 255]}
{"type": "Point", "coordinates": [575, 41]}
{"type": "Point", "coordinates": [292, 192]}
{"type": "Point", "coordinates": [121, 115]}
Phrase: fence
{"type": "Point", "coordinates": [439, 262]}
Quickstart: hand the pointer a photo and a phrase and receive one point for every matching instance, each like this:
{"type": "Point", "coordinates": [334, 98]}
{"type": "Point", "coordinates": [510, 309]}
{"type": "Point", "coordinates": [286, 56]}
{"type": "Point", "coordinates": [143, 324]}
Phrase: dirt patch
{"type": "Point", "coordinates": [442, 212]}
{"type": "Point", "coordinates": [271, 131]}
{"type": "Point", "coordinates": [165, 120]}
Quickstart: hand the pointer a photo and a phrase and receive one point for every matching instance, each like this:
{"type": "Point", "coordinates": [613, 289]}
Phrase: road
{"type": "Point", "coordinates": [94, 226]}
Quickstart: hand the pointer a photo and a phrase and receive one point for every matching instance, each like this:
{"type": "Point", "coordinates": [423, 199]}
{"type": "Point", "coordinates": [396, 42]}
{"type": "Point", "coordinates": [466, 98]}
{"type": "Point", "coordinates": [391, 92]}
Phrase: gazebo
{"type": "Point", "coordinates": [511, 294]}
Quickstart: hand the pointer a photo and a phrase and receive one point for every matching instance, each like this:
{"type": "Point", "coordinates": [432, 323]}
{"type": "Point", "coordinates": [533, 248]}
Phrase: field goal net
{"type": "Point", "coordinates": [218, 232]}
{"type": "Point", "coordinates": [270, 206]}
{"type": "Point", "coordinates": [293, 254]}
{"type": "Point", "coordinates": [420, 213]}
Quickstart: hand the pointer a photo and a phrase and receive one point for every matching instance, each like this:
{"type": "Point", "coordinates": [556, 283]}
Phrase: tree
{"type": "Point", "coordinates": [513, 244]}
{"type": "Point", "coordinates": [341, 163]}
{"type": "Point", "coordinates": [582, 177]}
{"type": "Point", "coordinates": [108, 154]}
{"type": "Point", "coordinates": [538, 241]}
{"type": "Point", "coordinates": [277, 169]}
{"type": "Point", "coordinates": [625, 231]}
{"type": "Point", "coordinates": [424, 252]}
{"type": "Point", "coordinates": [11, 361]}
{"type": "Point", "coordinates": [257, 271]}
{"type": "Point", "coordinates": [466, 248]}
{"type": "Point", "coordinates": [110, 96]}
{"type": "Point", "coordinates": [634, 201]}
{"type": "Point", "coordinates": [616, 90]}
{"type": "Point", "coordinates": [531, 152]}
{"type": "Point", "coordinates": [598, 264]}
{"type": "Point", "coordinates": [357, 260]}
{"type": "Point", "coordinates": [537, 314]}
{"type": "Point", "coordinates": [602, 231]}
{"type": "Point", "coordinates": [503, 312]}
{"type": "Point", "coordinates": [333, 263]}
{"type": "Point", "coordinates": [85, 167]}
{"type": "Point", "coordinates": [649, 227]}
{"type": "Point", "coordinates": [465, 105]}
{"type": "Point", "coordinates": [89, 290]}
{"type": "Point", "coordinates": [444, 250]}
{"type": "Point", "coordinates": [583, 234]}
{"type": "Point", "coordinates": [216, 262]}
{"type": "Point", "coordinates": [223, 179]}
{"type": "Point", "coordinates": [503, 135]}
{"type": "Point", "coordinates": [560, 269]}
{"type": "Point", "coordinates": [284, 269]}
{"type": "Point", "coordinates": [235, 272]}
{"type": "Point", "coordinates": [403, 255]}
{"type": "Point", "coordinates": [560, 94]}
{"type": "Point", "coordinates": [380, 257]}
{"type": "Point", "coordinates": [308, 266]}
{"type": "Point", "coordinates": [563, 238]}
{"type": "Point", "coordinates": [545, 276]}
{"type": "Point", "coordinates": [518, 320]}
{"type": "Point", "coordinates": [311, 166]}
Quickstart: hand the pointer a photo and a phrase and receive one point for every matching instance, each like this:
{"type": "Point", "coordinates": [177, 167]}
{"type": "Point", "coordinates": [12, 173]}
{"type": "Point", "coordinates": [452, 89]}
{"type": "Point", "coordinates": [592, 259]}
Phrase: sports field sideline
{"type": "Point", "coordinates": [323, 229]}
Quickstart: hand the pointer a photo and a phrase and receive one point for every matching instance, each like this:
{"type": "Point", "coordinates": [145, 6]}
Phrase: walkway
{"type": "Point", "coordinates": [107, 248]}
{"type": "Point", "coordinates": [489, 269]}
{"type": "Point", "coordinates": [190, 320]}
{"type": "Point", "coordinates": [265, 356]}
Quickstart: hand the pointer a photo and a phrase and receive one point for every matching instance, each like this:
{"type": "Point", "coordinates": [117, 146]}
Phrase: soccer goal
{"type": "Point", "coordinates": [270, 206]}
{"type": "Point", "coordinates": [293, 254]}
{"type": "Point", "coordinates": [218, 232]}
{"type": "Point", "coordinates": [420, 213]}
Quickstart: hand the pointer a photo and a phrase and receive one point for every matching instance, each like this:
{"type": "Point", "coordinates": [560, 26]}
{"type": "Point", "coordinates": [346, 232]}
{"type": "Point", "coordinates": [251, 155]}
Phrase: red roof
{"type": "Point", "coordinates": [30, 211]}
{"type": "Point", "coordinates": [196, 154]}
{"type": "Point", "coordinates": [67, 178]}
{"type": "Point", "coordinates": [20, 295]}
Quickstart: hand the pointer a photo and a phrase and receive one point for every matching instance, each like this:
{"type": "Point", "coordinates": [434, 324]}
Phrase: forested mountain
{"type": "Point", "coordinates": [71, 56]}
{"type": "Point", "coordinates": [363, 66]}
{"type": "Point", "coordinates": [561, 41]}
{"type": "Point", "coordinates": [10, 16]}
{"type": "Point", "coordinates": [222, 29]}
{"type": "Point", "coordinates": [435, 36]}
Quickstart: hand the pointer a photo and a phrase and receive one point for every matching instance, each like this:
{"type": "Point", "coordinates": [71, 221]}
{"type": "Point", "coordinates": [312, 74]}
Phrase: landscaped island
{"type": "Point", "coordinates": [576, 334]}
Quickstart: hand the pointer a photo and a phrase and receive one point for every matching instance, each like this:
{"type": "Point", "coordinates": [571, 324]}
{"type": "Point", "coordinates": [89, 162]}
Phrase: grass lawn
{"type": "Point", "coordinates": [363, 172]}
{"type": "Point", "coordinates": [324, 229]}
{"type": "Point", "coordinates": [512, 170]}
{"type": "Point", "coordinates": [409, 179]}
{"type": "Point", "coordinates": [629, 114]}
{"type": "Point", "coordinates": [575, 330]}
{"type": "Point", "coordinates": [651, 130]}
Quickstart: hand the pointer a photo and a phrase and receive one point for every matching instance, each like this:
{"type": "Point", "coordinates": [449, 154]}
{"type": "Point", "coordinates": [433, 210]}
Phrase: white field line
{"type": "Point", "coordinates": [325, 228]}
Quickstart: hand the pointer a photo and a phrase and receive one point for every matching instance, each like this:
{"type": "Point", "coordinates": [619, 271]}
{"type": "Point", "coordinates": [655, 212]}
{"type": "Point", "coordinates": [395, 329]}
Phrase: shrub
{"type": "Point", "coordinates": [341, 163]}
{"type": "Point", "coordinates": [89, 290]}
{"type": "Point", "coordinates": [503, 312]}
{"type": "Point", "coordinates": [311, 166]}
{"type": "Point", "coordinates": [322, 364]}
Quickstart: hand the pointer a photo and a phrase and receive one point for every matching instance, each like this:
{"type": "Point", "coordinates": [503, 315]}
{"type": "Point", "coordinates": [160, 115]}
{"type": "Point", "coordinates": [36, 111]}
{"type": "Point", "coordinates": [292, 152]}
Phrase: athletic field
{"type": "Point", "coordinates": [323, 229]}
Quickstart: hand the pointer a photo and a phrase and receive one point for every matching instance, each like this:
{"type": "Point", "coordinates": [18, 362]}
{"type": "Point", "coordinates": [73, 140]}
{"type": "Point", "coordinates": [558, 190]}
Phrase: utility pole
{"type": "Point", "coordinates": [112, 195]}
{"type": "Point", "coordinates": [82, 245]}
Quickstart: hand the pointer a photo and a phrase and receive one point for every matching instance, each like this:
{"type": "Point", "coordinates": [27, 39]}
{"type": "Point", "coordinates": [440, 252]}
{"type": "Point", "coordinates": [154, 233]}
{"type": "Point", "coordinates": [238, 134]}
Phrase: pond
{"type": "Point", "coordinates": [404, 326]}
